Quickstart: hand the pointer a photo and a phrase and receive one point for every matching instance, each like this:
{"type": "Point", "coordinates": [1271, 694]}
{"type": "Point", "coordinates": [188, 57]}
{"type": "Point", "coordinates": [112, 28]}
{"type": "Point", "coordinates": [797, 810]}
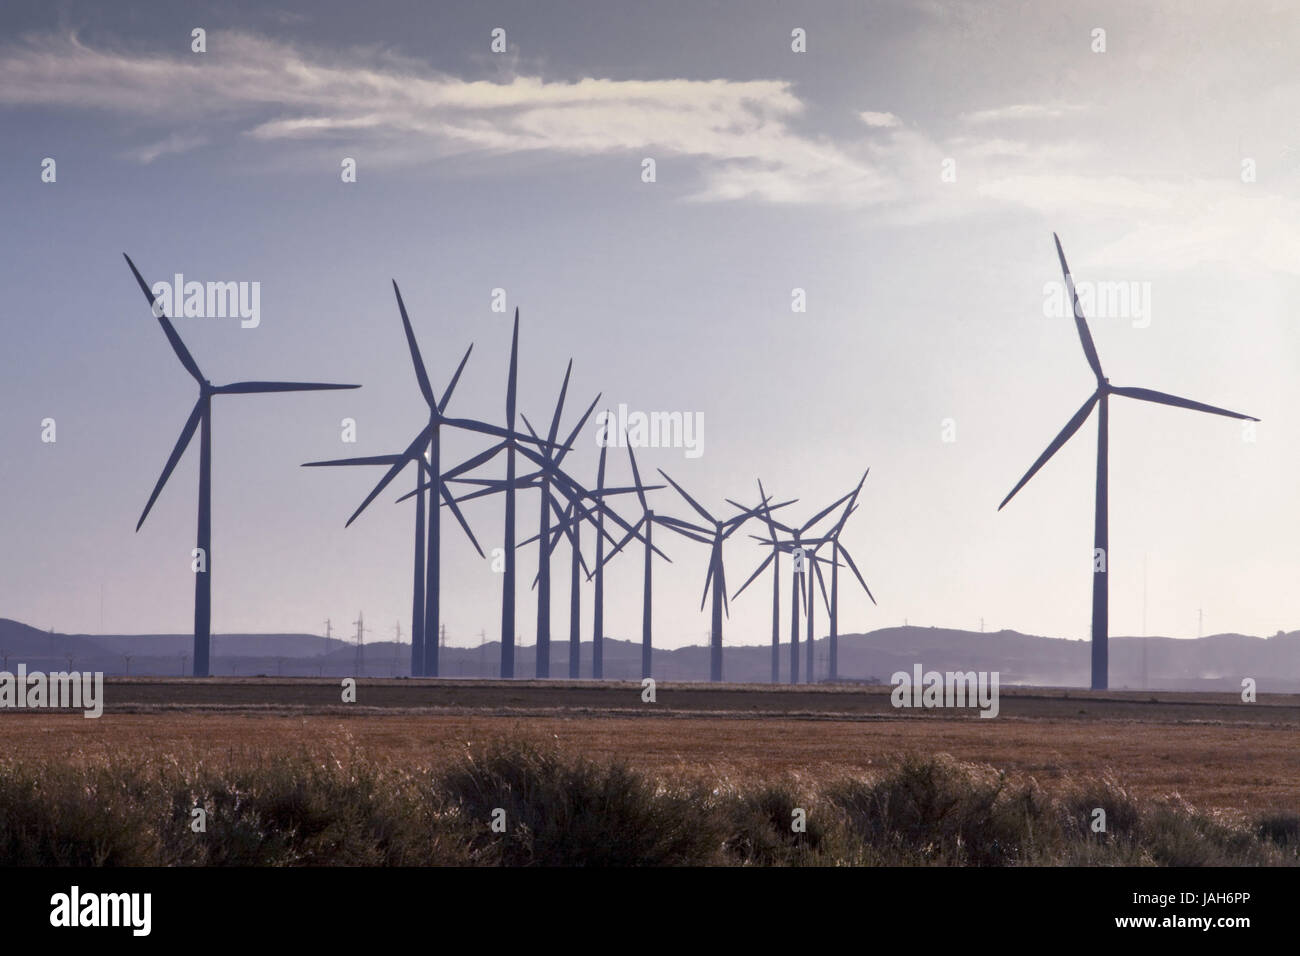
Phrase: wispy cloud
{"type": "Point", "coordinates": [741, 139]}
{"type": "Point", "coordinates": [1170, 226]}
{"type": "Point", "coordinates": [742, 130]}
{"type": "Point", "coordinates": [174, 144]}
{"type": "Point", "coordinates": [1018, 111]}
{"type": "Point", "coordinates": [879, 120]}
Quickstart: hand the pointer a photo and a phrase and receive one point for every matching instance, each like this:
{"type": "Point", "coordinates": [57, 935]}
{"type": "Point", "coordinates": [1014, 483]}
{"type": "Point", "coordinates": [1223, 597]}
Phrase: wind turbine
{"type": "Point", "coordinates": [570, 512]}
{"type": "Point", "coordinates": [839, 551]}
{"type": "Point", "coordinates": [598, 601]}
{"type": "Point", "coordinates": [201, 420]}
{"type": "Point", "coordinates": [598, 608]}
{"type": "Point", "coordinates": [795, 543]}
{"type": "Point", "coordinates": [773, 559]}
{"type": "Point", "coordinates": [571, 523]}
{"type": "Point", "coordinates": [425, 449]}
{"type": "Point", "coordinates": [1100, 398]}
{"type": "Point", "coordinates": [542, 479]}
{"type": "Point", "coordinates": [570, 526]}
{"type": "Point", "coordinates": [551, 465]}
{"type": "Point", "coordinates": [814, 570]}
{"type": "Point", "coordinates": [648, 518]}
{"type": "Point", "coordinates": [716, 577]}
{"type": "Point", "coordinates": [510, 445]}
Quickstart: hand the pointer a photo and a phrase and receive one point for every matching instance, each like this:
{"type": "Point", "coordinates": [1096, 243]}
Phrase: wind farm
{"type": "Point", "coordinates": [682, 705]}
{"type": "Point", "coordinates": [565, 505]}
{"type": "Point", "coordinates": [638, 460]}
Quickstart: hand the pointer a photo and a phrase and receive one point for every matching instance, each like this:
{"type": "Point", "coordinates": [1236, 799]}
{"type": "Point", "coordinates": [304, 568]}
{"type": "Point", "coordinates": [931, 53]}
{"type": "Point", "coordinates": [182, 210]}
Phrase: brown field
{"type": "Point", "coordinates": [1210, 749]}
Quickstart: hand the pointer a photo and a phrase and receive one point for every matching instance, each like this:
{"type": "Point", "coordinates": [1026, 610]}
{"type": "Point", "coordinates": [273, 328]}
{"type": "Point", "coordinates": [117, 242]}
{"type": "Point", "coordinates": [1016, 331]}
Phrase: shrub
{"type": "Point", "coordinates": [561, 812]}
{"type": "Point", "coordinates": [935, 810]}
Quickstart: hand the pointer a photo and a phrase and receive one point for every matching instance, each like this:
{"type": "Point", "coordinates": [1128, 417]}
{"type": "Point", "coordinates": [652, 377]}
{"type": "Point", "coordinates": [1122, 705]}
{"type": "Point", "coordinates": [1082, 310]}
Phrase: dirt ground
{"type": "Point", "coordinates": [1211, 750]}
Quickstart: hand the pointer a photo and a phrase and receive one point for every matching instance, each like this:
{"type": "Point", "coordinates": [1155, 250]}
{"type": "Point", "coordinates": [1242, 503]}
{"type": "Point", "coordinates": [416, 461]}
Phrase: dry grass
{"type": "Point", "coordinates": [560, 808]}
{"type": "Point", "coordinates": [1222, 767]}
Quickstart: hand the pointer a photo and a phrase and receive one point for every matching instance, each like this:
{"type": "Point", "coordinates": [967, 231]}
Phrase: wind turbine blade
{"type": "Point", "coordinates": [636, 476]}
{"type": "Point", "coordinates": [249, 388]}
{"type": "Point", "coordinates": [854, 568]}
{"type": "Point", "coordinates": [469, 424]}
{"type": "Point", "coordinates": [536, 439]}
{"type": "Point", "coordinates": [708, 579]}
{"type": "Point", "coordinates": [559, 405]}
{"type": "Point", "coordinates": [498, 484]}
{"type": "Point", "coordinates": [766, 561]}
{"type": "Point", "coordinates": [767, 512]}
{"type": "Point", "coordinates": [582, 513]}
{"type": "Point", "coordinates": [626, 538]}
{"type": "Point", "coordinates": [421, 375]}
{"type": "Point", "coordinates": [1161, 398]}
{"type": "Point", "coordinates": [733, 524]}
{"type": "Point", "coordinates": [481, 493]}
{"type": "Point", "coordinates": [722, 583]}
{"type": "Point", "coordinates": [413, 450]}
{"type": "Point", "coordinates": [181, 443]}
{"type": "Point", "coordinates": [693, 503]}
{"type": "Point", "coordinates": [1070, 428]}
{"type": "Point", "coordinates": [782, 504]}
{"type": "Point", "coordinates": [448, 476]}
{"type": "Point", "coordinates": [512, 377]}
{"type": "Point", "coordinates": [852, 505]}
{"type": "Point", "coordinates": [568, 442]}
{"type": "Point", "coordinates": [455, 509]}
{"type": "Point", "coordinates": [817, 572]}
{"type": "Point", "coordinates": [573, 489]}
{"type": "Point", "coordinates": [683, 532]}
{"type": "Point", "coordinates": [835, 530]}
{"type": "Point", "coordinates": [451, 386]}
{"type": "Point", "coordinates": [371, 460]}
{"type": "Point", "coordinates": [1085, 337]}
{"type": "Point", "coordinates": [600, 468]}
{"type": "Point", "coordinates": [556, 534]}
{"type": "Point", "coordinates": [470, 464]}
{"type": "Point", "coordinates": [824, 512]}
{"type": "Point", "coordinates": [607, 492]}
{"type": "Point", "coordinates": [178, 346]}
{"type": "Point", "coordinates": [677, 524]}
{"type": "Point", "coordinates": [565, 515]}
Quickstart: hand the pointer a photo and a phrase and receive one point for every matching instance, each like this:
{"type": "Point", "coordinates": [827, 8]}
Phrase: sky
{"type": "Point", "coordinates": [906, 171]}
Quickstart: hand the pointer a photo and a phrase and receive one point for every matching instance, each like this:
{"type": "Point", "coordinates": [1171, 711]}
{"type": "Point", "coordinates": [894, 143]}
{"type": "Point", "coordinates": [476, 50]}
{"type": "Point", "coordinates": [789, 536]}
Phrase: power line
{"type": "Point", "coordinates": [361, 629]}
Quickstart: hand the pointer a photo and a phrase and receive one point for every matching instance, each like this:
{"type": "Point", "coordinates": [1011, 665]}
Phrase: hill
{"type": "Point", "coordinates": [1218, 662]}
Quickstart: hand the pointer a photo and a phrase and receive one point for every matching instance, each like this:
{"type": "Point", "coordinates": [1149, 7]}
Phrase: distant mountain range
{"type": "Point", "coordinates": [1218, 662]}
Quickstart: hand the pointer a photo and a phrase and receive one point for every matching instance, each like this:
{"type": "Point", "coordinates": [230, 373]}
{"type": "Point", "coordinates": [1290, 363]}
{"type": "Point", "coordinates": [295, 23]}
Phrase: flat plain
{"type": "Point", "coordinates": [1212, 750]}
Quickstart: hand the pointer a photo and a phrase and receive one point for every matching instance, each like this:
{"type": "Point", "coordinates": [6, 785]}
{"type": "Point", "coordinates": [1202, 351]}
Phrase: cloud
{"type": "Point", "coordinates": [732, 140]}
{"type": "Point", "coordinates": [1170, 226]}
{"type": "Point", "coordinates": [879, 120]}
{"type": "Point", "coordinates": [173, 144]}
{"type": "Point", "coordinates": [742, 131]}
{"type": "Point", "coordinates": [1018, 111]}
